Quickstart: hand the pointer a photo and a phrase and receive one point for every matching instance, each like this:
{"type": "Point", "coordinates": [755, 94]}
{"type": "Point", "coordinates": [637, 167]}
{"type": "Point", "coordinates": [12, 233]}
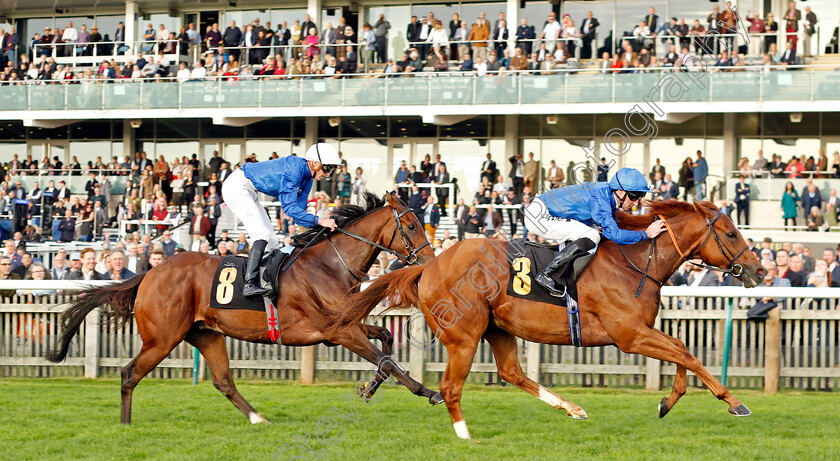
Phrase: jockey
{"type": "Point", "coordinates": [567, 213]}
{"type": "Point", "coordinates": [289, 179]}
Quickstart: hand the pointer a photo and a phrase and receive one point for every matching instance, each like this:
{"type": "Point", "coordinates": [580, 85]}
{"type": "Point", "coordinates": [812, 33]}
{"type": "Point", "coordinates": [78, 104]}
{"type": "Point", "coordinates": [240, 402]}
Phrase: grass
{"type": "Point", "coordinates": [79, 419]}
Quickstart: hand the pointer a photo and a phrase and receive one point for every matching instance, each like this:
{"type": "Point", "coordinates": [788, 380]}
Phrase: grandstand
{"type": "Point", "coordinates": [86, 89]}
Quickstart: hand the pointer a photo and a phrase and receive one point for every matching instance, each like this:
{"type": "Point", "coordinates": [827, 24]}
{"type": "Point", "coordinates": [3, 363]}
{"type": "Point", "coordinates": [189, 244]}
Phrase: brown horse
{"type": "Point", "coordinates": [462, 293]}
{"type": "Point", "coordinates": [171, 302]}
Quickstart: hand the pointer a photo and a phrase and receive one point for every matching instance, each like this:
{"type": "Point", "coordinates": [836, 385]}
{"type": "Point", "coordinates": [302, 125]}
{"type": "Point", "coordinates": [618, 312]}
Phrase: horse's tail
{"type": "Point", "coordinates": [118, 300]}
{"type": "Point", "coordinates": [402, 281]}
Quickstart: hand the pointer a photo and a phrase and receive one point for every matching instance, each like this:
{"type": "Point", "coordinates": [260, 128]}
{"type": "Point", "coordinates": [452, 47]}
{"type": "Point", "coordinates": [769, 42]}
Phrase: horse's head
{"type": "Point", "coordinates": [406, 237]}
{"type": "Point", "coordinates": [723, 246]}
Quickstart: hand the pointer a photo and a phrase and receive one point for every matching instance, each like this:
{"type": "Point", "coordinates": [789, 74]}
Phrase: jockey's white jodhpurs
{"type": "Point", "coordinates": [241, 197]}
{"type": "Point", "coordinates": [540, 222]}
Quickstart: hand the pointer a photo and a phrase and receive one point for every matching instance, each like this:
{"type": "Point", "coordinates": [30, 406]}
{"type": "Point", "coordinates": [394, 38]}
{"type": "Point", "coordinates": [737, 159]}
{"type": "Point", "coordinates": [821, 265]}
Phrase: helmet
{"type": "Point", "coordinates": [323, 153]}
{"type": "Point", "coordinates": [630, 180]}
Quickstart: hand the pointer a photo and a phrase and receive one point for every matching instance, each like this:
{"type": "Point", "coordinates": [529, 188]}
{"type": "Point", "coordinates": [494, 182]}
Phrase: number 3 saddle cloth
{"type": "Point", "coordinates": [226, 292]}
{"type": "Point", "coordinates": [527, 259]}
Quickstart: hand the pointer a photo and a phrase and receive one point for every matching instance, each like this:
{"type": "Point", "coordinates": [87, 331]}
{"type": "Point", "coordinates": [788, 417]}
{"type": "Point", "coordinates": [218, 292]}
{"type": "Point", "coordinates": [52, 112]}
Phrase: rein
{"type": "Point", "coordinates": [734, 269]}
{"type": "Point", "coordinates": [411, 253]}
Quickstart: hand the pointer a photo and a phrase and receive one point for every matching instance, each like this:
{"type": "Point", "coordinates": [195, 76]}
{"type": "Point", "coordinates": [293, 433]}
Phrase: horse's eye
{"type": "Point", "coordinates": [411, 227]}
{"type": "Point", "coordinates": [730, 235]}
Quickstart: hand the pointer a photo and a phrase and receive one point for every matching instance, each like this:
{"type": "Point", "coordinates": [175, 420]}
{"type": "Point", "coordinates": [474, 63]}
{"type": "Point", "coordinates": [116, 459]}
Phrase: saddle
{"type": "Point", "coordinates": [226, 291]}
{"type": "Point", "coordinates": [527, 259]}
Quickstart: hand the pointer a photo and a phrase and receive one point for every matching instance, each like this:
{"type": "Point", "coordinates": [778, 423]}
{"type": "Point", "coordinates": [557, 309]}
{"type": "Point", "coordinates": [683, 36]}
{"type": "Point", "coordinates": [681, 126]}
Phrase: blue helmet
{"type": "Point", "coordinates": [629, 179]}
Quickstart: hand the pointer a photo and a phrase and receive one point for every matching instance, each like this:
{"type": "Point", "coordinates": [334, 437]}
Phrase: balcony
{"type": "Point", "coordinates": [810, 89]}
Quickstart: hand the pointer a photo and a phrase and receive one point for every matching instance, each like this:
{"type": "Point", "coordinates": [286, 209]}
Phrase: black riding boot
{"type": "Point", "coordinates": [253, 287]}
{"type": "Point", "coordinates": [561, 262]}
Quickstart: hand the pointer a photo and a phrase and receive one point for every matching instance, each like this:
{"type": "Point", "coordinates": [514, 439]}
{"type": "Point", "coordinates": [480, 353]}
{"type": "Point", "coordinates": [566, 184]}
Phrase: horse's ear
{"type": "Point", "coordinates": [391, 198]}
{"type": "Point", "coordinates": [707, 209]}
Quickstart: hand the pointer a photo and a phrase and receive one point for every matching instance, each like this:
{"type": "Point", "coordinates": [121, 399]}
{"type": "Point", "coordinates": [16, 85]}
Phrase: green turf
{"type": "Point", "coordinates": [75, 418]}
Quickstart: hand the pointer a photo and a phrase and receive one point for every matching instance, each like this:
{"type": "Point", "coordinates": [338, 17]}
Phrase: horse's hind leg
{"type": "Point", "coordinates": [212, 346]}
{"type": "Point", "coordinates": [504, 350]}
{"type": "Point", "coordinates": [387, 340]}
{"type": "Point", "coordinates": [154, 350]}
{"type": "Point", "coordinates": [678, 389]}
{"type": "Point", "coordinates": [656, 344]}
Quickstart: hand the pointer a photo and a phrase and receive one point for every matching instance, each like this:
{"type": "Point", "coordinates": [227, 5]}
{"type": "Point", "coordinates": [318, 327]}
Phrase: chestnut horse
{"type": "Point", "coordinates": [171, 302]}
{"type": "Point", "coordinates": [609, 313]}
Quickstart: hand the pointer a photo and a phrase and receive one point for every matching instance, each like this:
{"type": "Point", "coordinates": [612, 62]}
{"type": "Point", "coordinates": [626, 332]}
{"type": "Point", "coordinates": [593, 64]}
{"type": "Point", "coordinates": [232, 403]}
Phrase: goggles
{"type": "Point", "coordinates": [327, 169]}
{"type": "Point", "coordinates": [633, 195]}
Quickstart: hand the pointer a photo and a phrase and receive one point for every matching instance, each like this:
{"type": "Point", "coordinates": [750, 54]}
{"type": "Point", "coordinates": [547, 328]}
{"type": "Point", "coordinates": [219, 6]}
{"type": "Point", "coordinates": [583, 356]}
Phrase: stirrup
{"type": "Point", "coordinates": [252, 290]}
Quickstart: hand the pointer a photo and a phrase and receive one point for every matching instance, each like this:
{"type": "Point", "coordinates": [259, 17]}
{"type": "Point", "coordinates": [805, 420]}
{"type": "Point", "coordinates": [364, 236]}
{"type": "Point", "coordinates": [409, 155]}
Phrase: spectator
{"type": "Point", "coordinates": [792, 18]}
{"type": "Point", "coordinates": [788, 58]}
{"type": "Point", "coordinates": [517, 173]}
{"type": "Point", "coordinates": [699, 170]}
{"type": "Point", "coordinates": [742, 200]}
{"type": "Point", "coordinates": [461, 40]}
{"type": "Point", "coordinates": [810, 198]}
{"type": "Point", "coordinates": [156, 257]}
{"type": "Point", "coordinates": [454, 25]}
{"type": "Point", "coordinates": [118, 269]}
{"type": "Point", "coordinates": [431, 216]}
{"type": "Point", "coordinates": [492, 221]}
{"type": "Point", "coordinates": [200, 224]}
{"type": "Point", "coordinates": [241, 244]}
{"type": "Point", "coordinates": [168, 244]}
{"type": "Point", "coordinates": [37, 271]}
{"type": "Point", "coordinates": [59, 271]}
{"type": "Point", "coordinates": [472, 225]}
{"type": "Point", "coordinates": [7, 274]}
{"type": "Point", "coordinates": [467, 63]}
{"type": "Point", "coordinates": [442, 177]}
{"type": "Point", "coordinates": [136, 261]}
{"type": "Point", "coordinates": [87, 271]}
{"type": "Point", "coordinates": [67, 227]}
{"type": "Point", "coordinates": [213, 212]}
{"type": "Point", "coordinates": [701, 276]}
{"type": "Point", "coordinates": [525, 34]}
{"type": "Point", "coordinates": [772, 280]}
{"type": "Point", "coordinates": [25, 262]}
{"type": "Point", "coordinates": [359, 186]}
{"type": "Point", "coordinates": [381, 31]}
{"type": "Point", "coordinates": [815, 220]}
{"type": "Point", "coordinates": [796, 272]}
{"type": "Point", "coordinates": [478, 38]}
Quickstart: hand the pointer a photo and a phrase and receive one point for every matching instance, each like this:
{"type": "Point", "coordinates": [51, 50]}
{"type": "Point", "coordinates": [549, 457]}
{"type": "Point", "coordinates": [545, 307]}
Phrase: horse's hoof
{"type": "Point", "coordinates": [663, 407]}
{"type": "Point", "coordinates": [578, 413]}
{"type": "Point", "coordinates": [740, 410]}
{"type": "Point", "coordinates": [436, 399]}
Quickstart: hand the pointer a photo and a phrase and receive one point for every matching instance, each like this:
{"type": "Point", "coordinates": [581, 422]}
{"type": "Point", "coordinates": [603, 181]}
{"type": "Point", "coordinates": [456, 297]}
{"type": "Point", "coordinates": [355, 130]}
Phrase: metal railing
{"type": "Point", "coordinates": [559, 86]}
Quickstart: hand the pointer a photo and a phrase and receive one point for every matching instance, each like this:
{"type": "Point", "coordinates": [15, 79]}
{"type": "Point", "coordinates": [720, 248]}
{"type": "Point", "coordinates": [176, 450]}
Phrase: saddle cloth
{"type": "Point", "coordinates": [527, 260]}
{"type": "Point", "coordinates": [226, 292]}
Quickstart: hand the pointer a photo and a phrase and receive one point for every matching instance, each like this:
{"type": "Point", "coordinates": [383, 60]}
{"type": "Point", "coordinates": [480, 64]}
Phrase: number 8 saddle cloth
{"type": "Point", "coordinates": [226, 292]}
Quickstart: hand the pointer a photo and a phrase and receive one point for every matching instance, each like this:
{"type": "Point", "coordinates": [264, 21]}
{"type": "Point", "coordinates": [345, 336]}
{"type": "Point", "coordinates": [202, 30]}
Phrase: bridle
{"type": "Point", "coordinates": [410, 256]}
{"type": "Point", "coordinates": [735, 269]}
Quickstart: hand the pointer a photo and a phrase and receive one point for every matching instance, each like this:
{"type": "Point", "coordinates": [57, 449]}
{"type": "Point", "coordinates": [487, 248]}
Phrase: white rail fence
{"type": "Point", "coordinates": [797, 347]}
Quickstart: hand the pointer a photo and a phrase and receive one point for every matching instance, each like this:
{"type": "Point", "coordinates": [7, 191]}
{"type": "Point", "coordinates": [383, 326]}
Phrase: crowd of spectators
{"type": "Point", "coordinates": [303, 50]}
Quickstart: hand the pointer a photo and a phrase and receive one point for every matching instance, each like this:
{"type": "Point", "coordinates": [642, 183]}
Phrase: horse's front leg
{"type": "Point", "coordinates": [656, 344]}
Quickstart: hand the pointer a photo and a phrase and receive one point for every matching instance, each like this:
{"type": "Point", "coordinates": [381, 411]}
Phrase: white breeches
{"type": "Point", "coordinates": [540, 222]}
{"type": "Point", "coordinates": [241, 197]}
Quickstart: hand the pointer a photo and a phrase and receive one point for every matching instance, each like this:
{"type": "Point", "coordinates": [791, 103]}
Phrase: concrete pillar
{"type": "Point", "coordinates": [129, 140]}
{"type": "Point", "coordinates": [311, 138]}
{"type": "Point", "coordinates": [730, 141]}
{"type": "Point", "coordinates": [131, 12]}
{"type": "Point", "coordinates": [512, 16]}
{"type": "Point", "coordinates": [313, 9]}
{"type": "Point", "coordinates": [511, 143]}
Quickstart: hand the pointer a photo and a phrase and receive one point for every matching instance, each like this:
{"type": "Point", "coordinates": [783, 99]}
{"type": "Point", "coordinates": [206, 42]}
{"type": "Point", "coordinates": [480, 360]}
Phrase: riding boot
{"type": "Point", "coordinates": [561, 262]}
{"type": "Point", "coordinates": [253, 287]}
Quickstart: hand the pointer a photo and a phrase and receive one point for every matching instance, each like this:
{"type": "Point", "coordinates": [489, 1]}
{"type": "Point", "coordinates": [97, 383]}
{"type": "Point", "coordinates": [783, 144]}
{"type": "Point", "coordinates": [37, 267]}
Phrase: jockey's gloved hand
{"type": "Point", "coordinates": [327, 222]}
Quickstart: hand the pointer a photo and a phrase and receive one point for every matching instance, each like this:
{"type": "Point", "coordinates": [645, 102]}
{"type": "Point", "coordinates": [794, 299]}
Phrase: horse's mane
{"type": "Point", "coordinates": [343, 215]}
{"type": "Point", "coordinates": [664, 209]}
